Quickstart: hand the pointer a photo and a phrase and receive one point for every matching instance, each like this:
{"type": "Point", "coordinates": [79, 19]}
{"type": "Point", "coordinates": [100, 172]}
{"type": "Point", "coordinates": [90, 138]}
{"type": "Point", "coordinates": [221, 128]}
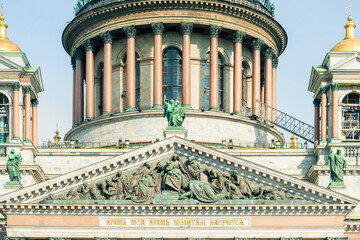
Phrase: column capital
{"type": "Point", "coordinates": [275, 62]}
{"type": "Point", "coordinates": [107, 37]}
{"type": "Point", "coordinates": [316, 102]}
{"type": "Point", "coordinates": [238, 36]}
{"type": "Point", "coordinates": [158, 28]}
{"type": "Point", "coordinates": [16, 86]}
{"type": "Point", "coordinates": [257, 44]}
{"type": "Point", "coordinates": [78, 54]}
{"type": "Point", "coordinates": [269, 53]}
{"type": "Point", "coordinates": [323, 89]}
{"type": "Point", "coordinates": [88, 45]}
{"type": "Point", "coordinates": [28, 89]}
{"type": "Point", "coordinates": [35, 102]}
{"type": "Point", "coordinates": [335, 86]}
{"type": "Point", "coordinates": [73, 62]}
{"type": "Point", "coordinates": [186, 28]}
{"type": "Point", "coordinates": [215, 31]}
{"type": "Point", "coordinates": [130, 31]}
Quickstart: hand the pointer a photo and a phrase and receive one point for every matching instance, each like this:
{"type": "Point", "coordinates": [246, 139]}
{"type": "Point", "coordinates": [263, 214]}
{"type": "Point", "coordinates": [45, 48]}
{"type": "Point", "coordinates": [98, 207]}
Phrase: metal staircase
{"type": "Point", "coordinates": [272, 116]}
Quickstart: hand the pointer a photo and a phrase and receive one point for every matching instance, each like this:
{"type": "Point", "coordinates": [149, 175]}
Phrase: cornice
{"type": "Point", "coordinates": [101, 16]}
{"type": "Point", "coordinates": [168, 210]}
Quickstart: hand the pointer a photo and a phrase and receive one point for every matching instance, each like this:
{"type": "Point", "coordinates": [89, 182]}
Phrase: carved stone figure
{"type": "Point", "coordinates": [13, 167]}
{"type": "Point", "coordinates": [337, 165]}
{"type": "Point", "coordinates": [204, 192]}
{"type": "Point", "coordinates": [145, 189]}
{"type": "Point", "coordinates": [84, 191]}
{"type": "Point", "coordinates": [174, 174]}
{"type": "Point", "coordinates": [174, 113]}
{"type": "Point", "coordinates": [122, 190]}
{"type": "Point", "coordinates": [217, 180]}
{"type": "Point", "coordinates": [140, 173]}
{"type": "Point", "coordinates": [109, 190]}
{"type": "Point", "coordinates": [193, 168]}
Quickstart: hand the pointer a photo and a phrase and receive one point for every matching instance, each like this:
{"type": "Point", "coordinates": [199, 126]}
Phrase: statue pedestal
{"type": "Point", "coordinates": [337, 188]}
{"type": "Point", "coordinates": [13, 185]}
{"type": "Point", "coordinates": [179, 132]}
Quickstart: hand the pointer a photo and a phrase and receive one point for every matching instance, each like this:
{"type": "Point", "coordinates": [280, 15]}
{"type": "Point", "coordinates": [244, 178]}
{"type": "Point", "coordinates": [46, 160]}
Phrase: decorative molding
{"type": "Point", "coordinates": [257, 44]}
{"type": "Point", "coordinates": [130, 31]}
{"type": "Point", "coordinates": [158, 28]}
{"type": "Point", "coordinates": [215, 31]}
{"type": "Point", "coordinates": [238, 36]}
{"type": "Point", "coordinates": [275, 62]}
{"type": "Point", "coordinates": [107, 37]}
{"type": "Point", "coordinates": [186, 28]}
{"type": "Point", "coordinates": [16, 86]}
{"type": "Point", "coordinates": [269, 53]}
{"type": "Point", "coordinates": [316, 102]}
{"type": "Point", "coordinates": [88, 45]}
{"type": "Point", "coordinates": [35, 102]}
{"type": "Point", "coordinates": [28, 89]}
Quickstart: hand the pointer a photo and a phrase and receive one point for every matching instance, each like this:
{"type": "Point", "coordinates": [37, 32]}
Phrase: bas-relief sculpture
{"type": "Point", "coordinates": [337, 165]}
{"type": "Point", "coordinates": [174, 181]}
{"type": "Point", "coordinates": [174, 113]}
{"type": "Point", "coordinates": [13, 168]}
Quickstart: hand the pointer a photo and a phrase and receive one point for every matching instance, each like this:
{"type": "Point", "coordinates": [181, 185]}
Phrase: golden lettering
{"type": "Point", "coordinates": [138, 222]}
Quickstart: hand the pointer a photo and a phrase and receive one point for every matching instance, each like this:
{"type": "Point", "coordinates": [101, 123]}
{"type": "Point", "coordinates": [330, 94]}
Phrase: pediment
{"type": "Point", "coordinates": [6, 64]}
{"type": "Point", "coordinates": [269, 187]}
{"type": "Point", "coordinates": [350, 63]}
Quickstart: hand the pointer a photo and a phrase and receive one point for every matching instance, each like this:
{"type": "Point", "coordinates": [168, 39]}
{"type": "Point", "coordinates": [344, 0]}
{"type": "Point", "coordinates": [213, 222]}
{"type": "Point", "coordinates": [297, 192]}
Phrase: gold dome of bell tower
{"type": "Point", "coordinates": [350, 42]}
{"type": "Point", "coordinates": [5, 43]}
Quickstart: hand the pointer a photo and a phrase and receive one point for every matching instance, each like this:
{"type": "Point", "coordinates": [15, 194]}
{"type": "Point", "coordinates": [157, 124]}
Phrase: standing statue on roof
{"type": "Point", "coordinates": [13, 167]}
{"type": "Point", "coordinates": [337, 165]}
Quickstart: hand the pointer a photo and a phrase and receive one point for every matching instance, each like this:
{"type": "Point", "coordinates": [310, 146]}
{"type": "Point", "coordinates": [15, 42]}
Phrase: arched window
{"type": "Point", "coordinates": [172, 74]}
{"type": "Point", "coordinates": [351, 116]}
{"type": "Point", "coordinates": [101, 88]}
{"type": "Point", "coordinates": [137, 78]}
{"type": "Point", "coordinates": [207, 82]}
{"type": "Point", "coordinates": [4, 117]}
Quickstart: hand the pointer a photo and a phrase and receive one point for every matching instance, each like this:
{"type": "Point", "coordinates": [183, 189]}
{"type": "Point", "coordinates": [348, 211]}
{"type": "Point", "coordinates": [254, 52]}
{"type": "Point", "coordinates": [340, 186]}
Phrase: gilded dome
{"type": "Point", "coordinates": [5, 43]}
{"type": "Point", "coordinates": [350, 42]}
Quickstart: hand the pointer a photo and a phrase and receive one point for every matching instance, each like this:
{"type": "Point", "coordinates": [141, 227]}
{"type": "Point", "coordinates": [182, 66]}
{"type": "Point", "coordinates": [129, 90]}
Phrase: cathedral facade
{"type": "Point", "coordinates": [181, 97]}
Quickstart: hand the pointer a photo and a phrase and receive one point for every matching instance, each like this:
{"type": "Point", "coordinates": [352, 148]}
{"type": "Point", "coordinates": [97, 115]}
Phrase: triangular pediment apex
{"type": "Point", "coordinates": [8, 65]}
{"type": "Point", "coordinates": [349, 63]}
{"type": "Point", "coordinates": [165, 149]}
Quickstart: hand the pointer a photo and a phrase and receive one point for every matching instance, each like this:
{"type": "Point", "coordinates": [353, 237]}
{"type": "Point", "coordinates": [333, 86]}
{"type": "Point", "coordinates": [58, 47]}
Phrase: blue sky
{"type": "Point", "coordinates": [313, 28]}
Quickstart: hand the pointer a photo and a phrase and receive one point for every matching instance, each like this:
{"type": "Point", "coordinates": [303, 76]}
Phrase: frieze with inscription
{"type": "Point", "coordinates": [175, 181]}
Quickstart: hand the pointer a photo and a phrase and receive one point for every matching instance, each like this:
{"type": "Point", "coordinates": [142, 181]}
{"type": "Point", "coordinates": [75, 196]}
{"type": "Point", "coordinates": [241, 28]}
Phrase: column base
{"type": "Point", "coordinates": [15, 138]}
{"type": "Point", "coordinates": [88, 119]}
{"type": "Point", "coordinates": [130, 110]}
{"type": "Point", "coordinates": [238, 113]}
{"type": "Point", "coordinates": [27, 141]}
{"type": "Point", "coordinates": [335, 140]}
{"type": "Point", "coordinates": [187, 106]}
{"type": "Point", "coordinates": [214, 109]}
{"type": "Point", "coordinates": [106, 114]}
{"type": "Point", "coordinates": [13, 185]}
{"type": "Point", "coordinates": [157, 107]}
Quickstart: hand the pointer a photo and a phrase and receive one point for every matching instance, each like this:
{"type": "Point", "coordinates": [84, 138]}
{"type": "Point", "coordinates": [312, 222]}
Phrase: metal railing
{"type": "Point", "coordinates": [293, 125]}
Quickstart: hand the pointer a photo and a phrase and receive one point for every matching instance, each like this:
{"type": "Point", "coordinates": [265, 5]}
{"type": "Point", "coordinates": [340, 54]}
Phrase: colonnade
{"type": "Point", "coordinates": [323, 102]}
{"type": "Point", "coordinates": [84, 68]}
{"type": "Point", "coordinates": [30, 107]}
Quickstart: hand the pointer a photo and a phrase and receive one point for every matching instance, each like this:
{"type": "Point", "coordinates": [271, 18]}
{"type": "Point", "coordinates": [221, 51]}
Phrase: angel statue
{"type": "Point", "coordinates": [174, 113]}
